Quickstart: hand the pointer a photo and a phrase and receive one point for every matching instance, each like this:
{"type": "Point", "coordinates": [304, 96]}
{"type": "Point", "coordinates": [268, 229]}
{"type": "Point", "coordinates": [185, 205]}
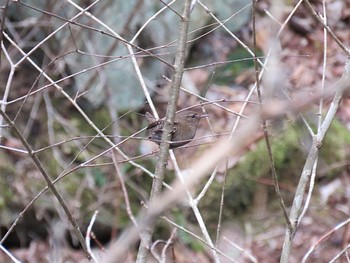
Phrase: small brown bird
{"type": "Point", "coordinates": [184, 128]}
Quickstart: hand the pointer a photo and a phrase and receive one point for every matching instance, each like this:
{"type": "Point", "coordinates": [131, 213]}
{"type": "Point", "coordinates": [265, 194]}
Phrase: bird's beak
{"type": "Point", "coordinates": [204, 116]}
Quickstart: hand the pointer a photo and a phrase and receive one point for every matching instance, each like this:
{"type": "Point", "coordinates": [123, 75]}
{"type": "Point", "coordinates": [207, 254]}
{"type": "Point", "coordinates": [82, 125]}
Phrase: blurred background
{"type": "Point", "coordinates": [66, 74]}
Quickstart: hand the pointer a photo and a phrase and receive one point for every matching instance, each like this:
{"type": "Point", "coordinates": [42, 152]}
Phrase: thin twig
{"type": "Point", "coordinates": [124, 189]}
{"type": "Point", "coordinates": [8, 253]}
{"type": "Point", "coordinates": [245, 252]}
{"type": "Point", "coordinates": [168, 243]}
{"type": "Point", "coordinates": [324, 238]}
{"type": "Point", "coordinates": [222, 199]}
{"type": "Point", "coordinates": [207, 185]}
{"type": "Point", "coordinates": [197, 238]}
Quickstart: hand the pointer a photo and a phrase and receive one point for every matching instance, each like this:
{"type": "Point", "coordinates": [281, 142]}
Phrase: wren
{"type": "Point", "coordinates": [184, 128]}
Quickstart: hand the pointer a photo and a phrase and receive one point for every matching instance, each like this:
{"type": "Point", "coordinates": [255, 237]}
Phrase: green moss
{"type": "Point", "coordinates": [334, 146]}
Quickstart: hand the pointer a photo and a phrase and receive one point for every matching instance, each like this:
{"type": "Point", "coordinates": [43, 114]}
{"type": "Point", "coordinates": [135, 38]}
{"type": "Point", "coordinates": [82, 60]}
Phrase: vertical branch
{"type": "Point", "coordinates": [263, 122]}
{"type": "Point", "coordinates": [146, 234]}
{"type": "Point", "coordinates": [317, 141]}
{"type": "Point", "coordinates": [297, 202]}
{"type": "Point", "coordinates": [320, 110]}
{"type": "Point", "coordinates": [309, 164]}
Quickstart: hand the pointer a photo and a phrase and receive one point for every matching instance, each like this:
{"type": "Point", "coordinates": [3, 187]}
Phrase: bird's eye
{"type": "Point", "coordinates": [193, 116]}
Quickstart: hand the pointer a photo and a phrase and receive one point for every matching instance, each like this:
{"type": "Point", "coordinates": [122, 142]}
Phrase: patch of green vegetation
{"type": "Point", "coordinates": [241, 61]}
{"type": "Point", "coordinates": [334, 147]}
{"type": "Point", "coordinates": [290, 150]}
